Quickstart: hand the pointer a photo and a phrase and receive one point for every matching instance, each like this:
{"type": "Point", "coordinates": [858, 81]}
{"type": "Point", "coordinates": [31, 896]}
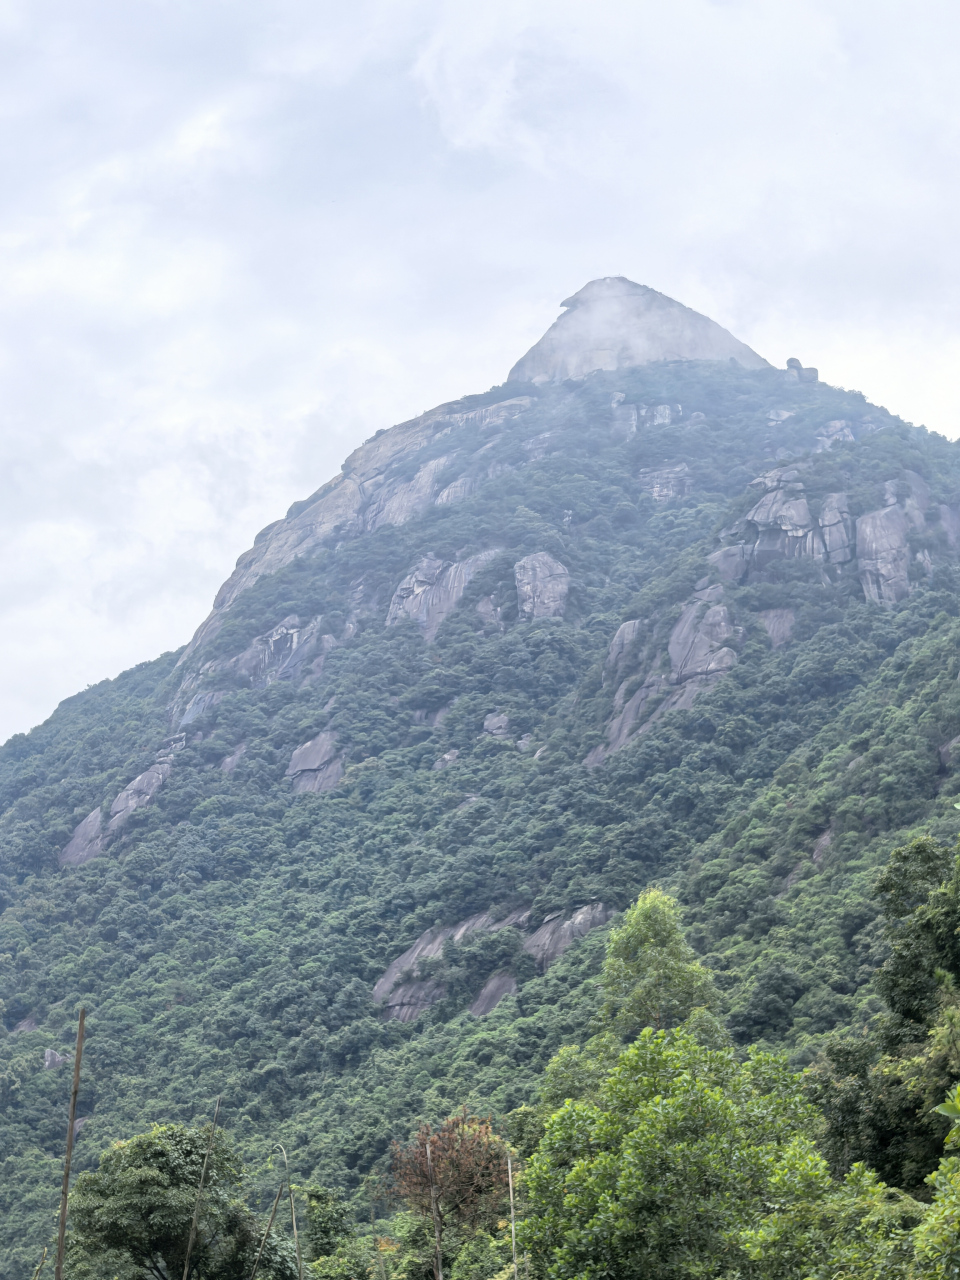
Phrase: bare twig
{"type": "Point", "coordinates": [196, 1207]}
{"type": "Point", "coordinates": [71, 1124]}
{"type": "Point", "coordinates": [43, 1258]}
{"type": "Point", "coordinates": [273, 1214]}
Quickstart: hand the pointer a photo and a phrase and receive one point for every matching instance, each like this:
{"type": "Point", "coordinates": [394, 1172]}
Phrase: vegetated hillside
{"type": "Point", "coordinates": [402, 720]}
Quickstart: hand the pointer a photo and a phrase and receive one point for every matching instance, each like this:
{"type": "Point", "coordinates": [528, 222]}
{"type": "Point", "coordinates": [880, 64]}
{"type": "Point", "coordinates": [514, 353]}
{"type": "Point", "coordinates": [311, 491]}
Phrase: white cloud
{"type": "Point", "coordinates": [237, 239]}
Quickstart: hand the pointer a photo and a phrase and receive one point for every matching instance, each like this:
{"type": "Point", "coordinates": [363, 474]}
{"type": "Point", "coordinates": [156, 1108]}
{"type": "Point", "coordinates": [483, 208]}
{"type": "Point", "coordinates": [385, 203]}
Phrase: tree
{"type": "Point", "coordinates": [651, 976]}
{"type": "Point", "coordinates": [454, 1177]}
{"type": "Point", "coordinates": [133, 1215]}
{"type": "Point", "coordinates": [657, 1178]}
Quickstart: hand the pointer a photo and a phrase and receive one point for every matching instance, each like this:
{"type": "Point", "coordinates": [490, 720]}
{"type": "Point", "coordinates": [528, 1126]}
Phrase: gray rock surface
{"type": "Point", "coordinates": [613, 323]}
{"type": "Point", "coordinates": [620, 647]}
{"type": "Point", "coordinates": [542, 586]}
{"type": "Point", "coordinates": [52, 1059]}
{"type": "Point", "coordinates": [499, 984]}
{"type": "Point", "coordinates": [316, 766]}
{"type": "Point", "coordinates": [497, 724]}
{"type": "Point", "coordinates": [136, 794]}
{"type": "Point", "coordinates": [433, 589]}
{"type": "Point", "coordinates": [556, 935]}
{"type": "Point", "coordinates": [784, 525]}
{"type": "Point", "coordinates": [698, 642]}
{"type": "Point", "coordinates": [92, 835]}
{"type": "Point", "coordinates": [86, 841]}
{"type": "Point", "coordinates": [450, 757]}
{"type": "Point", "coordinates": [836, 529]}
{"type": "Point", "coordinates": [404, 996]}
{"type": "Point", "coordinates": [230, 762]}
{"type": "Point", "coordinates": [663, 483]}
{"type": "Point", "coordinates": [883, 555]}
{"type": "Point", "coordinates": [778, 624]}
{"type": "Point", "coordinates": [732, 563]}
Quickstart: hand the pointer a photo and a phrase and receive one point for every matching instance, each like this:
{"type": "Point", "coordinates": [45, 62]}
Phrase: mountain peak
{"type": "Point", "coordinates": [613, 323]}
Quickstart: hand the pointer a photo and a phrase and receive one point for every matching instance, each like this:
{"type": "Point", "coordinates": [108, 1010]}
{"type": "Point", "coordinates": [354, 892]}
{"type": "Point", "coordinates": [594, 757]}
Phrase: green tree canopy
{"type": "Point", "coordinates": [661, 1174]}
{"type": "Point", "coordinates": [651, 975]}
{"type": "Point", "coordinates": [131, 1218]}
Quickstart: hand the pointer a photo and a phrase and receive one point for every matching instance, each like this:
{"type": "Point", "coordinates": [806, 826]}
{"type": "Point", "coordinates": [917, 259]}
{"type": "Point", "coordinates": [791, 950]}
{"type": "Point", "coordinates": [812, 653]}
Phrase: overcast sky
{"type": "Point", "coordinates": [239, 236]}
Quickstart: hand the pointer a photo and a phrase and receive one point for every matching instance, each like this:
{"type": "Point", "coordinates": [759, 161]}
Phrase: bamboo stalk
{"type": "Point", "coordinates": [513, 1221]}
{"type": "Point", "coordinates": [293, 1211]}
{"type": "Point", "coordinates": [273, 1214]}
{"type": "Point", "coordinates": [62, 1226]}
{"type": "Point", "coordinates": [196, 1207]}
{"type": "Point", "coordinates": [436, 1214]}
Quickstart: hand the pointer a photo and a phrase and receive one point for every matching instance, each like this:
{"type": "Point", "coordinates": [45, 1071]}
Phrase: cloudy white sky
{"type": "Point", "coordinates": [238, 237]}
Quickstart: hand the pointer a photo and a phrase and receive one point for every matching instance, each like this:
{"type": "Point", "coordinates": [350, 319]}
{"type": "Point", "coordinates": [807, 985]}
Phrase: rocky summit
{"type": "Point", "coordinates": [653, 611]}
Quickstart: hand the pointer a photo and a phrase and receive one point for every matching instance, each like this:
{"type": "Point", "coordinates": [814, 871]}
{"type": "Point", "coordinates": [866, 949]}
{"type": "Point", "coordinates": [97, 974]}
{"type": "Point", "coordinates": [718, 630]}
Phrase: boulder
{"type": "Point", "coordinates": [448, 758]}
{"type": "Point", "coordinates": [836, 529]}
{"type": "Point", "coordinates": [883, 555]}
{"type": "Point", "coordinates": [797, 373]}
{"type": "Point", "coordinates": [542, 586]}
{"type": "Point", "coordinates": [316, 766]}
{"type": "Point", "coordinates": [497, 725]}
{"type": "Point", "coordinates": [52, 1059]}
{"type": "Point", "coordinates": [782, 520]}
{"type": "Point", "coordinates": [432, 590]}
{"type": "Point", "coordinates": [230, 762]}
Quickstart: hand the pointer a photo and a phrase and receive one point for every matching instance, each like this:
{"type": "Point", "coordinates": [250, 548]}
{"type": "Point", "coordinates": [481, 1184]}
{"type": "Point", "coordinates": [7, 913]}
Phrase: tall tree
{"type": "Point", "coordinates": [651, 975]}
{"type": "Point", "coordinates": [132, 1216]}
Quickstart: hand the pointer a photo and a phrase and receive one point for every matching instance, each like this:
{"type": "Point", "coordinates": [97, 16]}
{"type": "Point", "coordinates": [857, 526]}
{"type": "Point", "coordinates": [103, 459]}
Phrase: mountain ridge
{"type": "Point", "coordinates": [384, 739]}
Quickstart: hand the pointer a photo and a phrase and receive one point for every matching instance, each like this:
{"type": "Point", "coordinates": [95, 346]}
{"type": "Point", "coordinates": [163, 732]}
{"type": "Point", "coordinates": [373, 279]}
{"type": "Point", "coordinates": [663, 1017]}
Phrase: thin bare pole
{"type": "Point", "coordinates": [196, 1207]}
{"type": "Point", "coordinates": [435, 1211]}
{"type": "Point", "coordinates": [293, 1212]}
{"type": "Point", "coordinates": [513, 1221]}
{"type": "Point", "coordinates": [273, 1214]}
{"type": "Point", "coordinates": [43, 1258]}
{"type": "Point", "coordinates": [71, 1124]}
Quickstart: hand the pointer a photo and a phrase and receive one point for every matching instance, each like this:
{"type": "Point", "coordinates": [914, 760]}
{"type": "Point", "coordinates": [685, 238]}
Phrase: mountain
{"type": "Point", "coordinates": [652, 611]}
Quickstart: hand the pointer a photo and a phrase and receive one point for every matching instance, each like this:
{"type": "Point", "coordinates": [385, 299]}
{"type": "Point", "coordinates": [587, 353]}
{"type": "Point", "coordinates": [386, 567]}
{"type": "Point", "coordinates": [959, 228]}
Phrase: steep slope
{"type": "Point", "coordinates": [348, 858]}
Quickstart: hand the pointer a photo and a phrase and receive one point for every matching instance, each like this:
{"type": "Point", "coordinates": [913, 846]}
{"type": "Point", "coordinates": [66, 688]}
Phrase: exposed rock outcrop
{"type": "Point", "coordinates": [836, 529]}
{"type": "Point", "coordinates": [497, 725]}
{"type": "Point", "coordinates": [698, 642]}
{"type": "Point", "coordinates": [615, 324]}
{"type": "Point", "coordinates": [778, 624]}
{"type": "Point", "coordinates": [542, 586]}
{"type": "Point", "coordinates": [620, 647]}
{"type": "Point", "coordinates": [784, 527]}
{"type": "Point", "coordinates": [433, 589]}
{"type": "Point", "coordinates": [52, 1059]}
{"type": "Point", "coordinates": [699, 656]}
{"type": "Point", "coordinates": [316, 766]}
{"type": "Point", "coordinates": [404, 996]}
{"type": "Point", "coordinates": [883, 555]}
{"type": "Point", "coordinates": [663, 483]}
{"type": "Point", "coordinates": [367, 495]}
{"type": "Point", "coordinates": [92, 835]}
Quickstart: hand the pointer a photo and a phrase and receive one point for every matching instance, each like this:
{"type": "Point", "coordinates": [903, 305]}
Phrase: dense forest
{"type": "Point", "coordinates": [686, 627]}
